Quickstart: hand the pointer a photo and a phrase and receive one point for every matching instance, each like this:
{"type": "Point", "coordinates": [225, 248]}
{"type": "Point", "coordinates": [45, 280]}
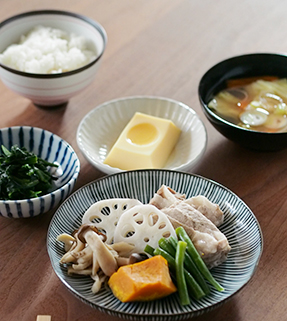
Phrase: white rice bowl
{"type": "Point", "coordinates": [46, 50]}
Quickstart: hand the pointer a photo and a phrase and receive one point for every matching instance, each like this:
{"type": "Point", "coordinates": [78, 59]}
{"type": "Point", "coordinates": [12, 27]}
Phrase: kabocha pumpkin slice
{"type": "Point", "coordinates": [142, 281]}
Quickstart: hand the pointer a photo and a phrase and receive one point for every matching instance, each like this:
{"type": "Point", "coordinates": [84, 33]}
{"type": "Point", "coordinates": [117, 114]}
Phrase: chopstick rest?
{"type": "Point", "coordinates": [43, 318]}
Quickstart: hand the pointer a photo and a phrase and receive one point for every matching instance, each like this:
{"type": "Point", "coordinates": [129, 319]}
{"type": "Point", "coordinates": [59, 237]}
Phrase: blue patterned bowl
{"type": "Point", "coordinates": [240, 227]}
{"type": "Point", "coordinates": [51, 148]}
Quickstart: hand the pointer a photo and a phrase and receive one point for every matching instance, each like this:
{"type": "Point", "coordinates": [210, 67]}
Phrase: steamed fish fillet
{"type": "Point", "coordinates": [209, 241]}
{"type": "Point", "coordinates": [166, 196]}
{"type": "Point", "coordinates": [208, 209]}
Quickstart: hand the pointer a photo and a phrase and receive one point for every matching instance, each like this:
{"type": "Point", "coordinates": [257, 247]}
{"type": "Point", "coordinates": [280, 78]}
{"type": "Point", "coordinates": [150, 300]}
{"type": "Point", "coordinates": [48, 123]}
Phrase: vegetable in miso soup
{"type": "Point", "coordinates": [255, 104]}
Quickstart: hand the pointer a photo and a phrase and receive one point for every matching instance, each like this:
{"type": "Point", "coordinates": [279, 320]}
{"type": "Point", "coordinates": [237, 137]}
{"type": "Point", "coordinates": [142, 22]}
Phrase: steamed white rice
{"type": "Point", "coordinates": [46, 50]}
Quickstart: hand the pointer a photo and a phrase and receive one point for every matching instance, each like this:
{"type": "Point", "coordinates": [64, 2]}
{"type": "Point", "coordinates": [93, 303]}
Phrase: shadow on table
{"type": "Point", "coordinates": [227, 312]}
{"type": "Point", "coordinates": [230, 164]}
{"type": "Point", "coordinates": [47, 118]}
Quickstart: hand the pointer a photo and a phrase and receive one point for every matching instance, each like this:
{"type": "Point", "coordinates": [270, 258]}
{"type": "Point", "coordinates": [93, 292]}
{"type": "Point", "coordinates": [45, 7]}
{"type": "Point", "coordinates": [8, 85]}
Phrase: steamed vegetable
{"type": "Point", "coordinates": [191, 267]}
{"type": "Point", "coordinates": [23, 174]}
{"type": "Point", "coordinates": [105, 214]}
{"type": "Point", "coordinates": [179, 271]}
{"type": "Point", "coordinates": [186, 265]}
{"type": "Point", "coordinates": [111, 242]}
{"type": "Point", "coordinates": [194, 289]}
{"type": "Point", "coordinates": [143, 281]}
{"type": "Point", "coordinates": [182, 235]}
{"type": "Point", "coordinates": [141, 225]}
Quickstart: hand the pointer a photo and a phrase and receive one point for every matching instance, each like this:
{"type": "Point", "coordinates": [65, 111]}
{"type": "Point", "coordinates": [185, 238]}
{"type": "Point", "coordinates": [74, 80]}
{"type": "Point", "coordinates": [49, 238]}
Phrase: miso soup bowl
{"type": "Point", "coordinates": [215, 80]}
{"type": "Point", "coordinates": [48, 90]}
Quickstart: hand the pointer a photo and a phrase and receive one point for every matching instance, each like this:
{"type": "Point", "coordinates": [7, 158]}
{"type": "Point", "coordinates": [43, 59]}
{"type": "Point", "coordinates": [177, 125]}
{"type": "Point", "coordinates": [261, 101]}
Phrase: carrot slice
{"type": "Point", "coordinates": [245, 81]}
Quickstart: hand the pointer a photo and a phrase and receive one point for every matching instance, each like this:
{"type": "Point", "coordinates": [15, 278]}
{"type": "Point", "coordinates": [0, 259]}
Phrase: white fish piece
{"type": "Point", "coordinates": [209, 241]}
{"type": "Point", "coordinates": [142, 225]}
{"type": "Point", "coordinates": [210, 210]}
{"type": "Point", "coordinates": [166, 196]}
{"type": "Point", "coordinates": [104, 215]}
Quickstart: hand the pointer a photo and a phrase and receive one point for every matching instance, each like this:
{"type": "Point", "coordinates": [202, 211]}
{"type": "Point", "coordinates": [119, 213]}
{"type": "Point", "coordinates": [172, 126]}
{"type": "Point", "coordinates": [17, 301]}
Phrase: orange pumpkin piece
{"type": "Point", "coordinates": [142, 281]}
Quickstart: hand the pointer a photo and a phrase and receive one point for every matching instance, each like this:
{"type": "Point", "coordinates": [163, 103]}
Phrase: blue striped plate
{"type": "Point", "coordinates": [240, 227]}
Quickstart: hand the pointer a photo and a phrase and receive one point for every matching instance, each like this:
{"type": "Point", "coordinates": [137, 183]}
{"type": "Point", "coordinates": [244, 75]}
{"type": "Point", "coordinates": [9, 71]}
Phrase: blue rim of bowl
{"type": "Point", "coordinates": [73, 178]}
{"type": "Point", "coordinates": [93, 23]}
{"type": "Point", "coordinates": [218, 118]}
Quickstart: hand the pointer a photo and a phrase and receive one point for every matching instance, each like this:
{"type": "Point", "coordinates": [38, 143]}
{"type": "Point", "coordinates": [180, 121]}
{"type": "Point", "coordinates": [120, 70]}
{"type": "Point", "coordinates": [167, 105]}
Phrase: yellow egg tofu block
{"type": "Point", "coordinates": [145, 142]}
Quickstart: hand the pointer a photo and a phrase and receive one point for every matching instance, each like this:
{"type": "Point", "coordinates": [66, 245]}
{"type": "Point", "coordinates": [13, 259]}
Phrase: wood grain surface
{"type": "Point", "coordinates": [161, 48]}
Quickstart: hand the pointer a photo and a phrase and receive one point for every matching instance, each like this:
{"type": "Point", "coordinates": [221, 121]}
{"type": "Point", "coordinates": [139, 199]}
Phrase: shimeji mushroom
{"type": "Point", "coordinates": [99, 280]}
{"type": "Point", "coordinates": [124, 251]}
{"type": "Point", "coordinates": [105, 257]}
{"type": "Point", "coordinates": [67, 239]}
{"type": "Point", "coordinates": [88, 255]}
{"type": "Point", "coordinates": [71, 271]}
{"type": "Point", "coordinates": [70, 256]}
{"type": "Point", "coordinates": [84, 259]}
{"type": "Point", "coordinates": [129, 226]}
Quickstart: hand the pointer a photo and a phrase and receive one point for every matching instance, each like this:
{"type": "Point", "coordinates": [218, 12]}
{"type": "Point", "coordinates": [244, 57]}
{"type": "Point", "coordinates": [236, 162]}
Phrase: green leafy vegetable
{"type": "Point", "coordinates": [23, 174]}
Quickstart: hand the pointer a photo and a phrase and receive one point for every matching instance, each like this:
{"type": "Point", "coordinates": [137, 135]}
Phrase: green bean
{"type": "Point", "coordinates": [191, 267]}
{"type": "Point", "coordinates": [179, 270]}
{"type": "Point", "coordinates": [173, 241]}
{"type": "Point", "coordinates": [182, 235]}
{"type": "Point", "coordinates": [194, 288]}
{"type": "Point", "coordinates": [194, 271]}
{"type": "Point", "coordinates": [167, 246]}
{"type": "Point", "coordinates": [170, 259]}
{"type": "Point", "coordinates": [149, 250]}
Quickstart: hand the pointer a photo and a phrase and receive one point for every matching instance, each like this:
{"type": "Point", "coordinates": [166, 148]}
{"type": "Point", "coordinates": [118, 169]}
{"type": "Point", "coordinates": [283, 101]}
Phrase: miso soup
{"type": "Point", "coordinates": [255, 104]}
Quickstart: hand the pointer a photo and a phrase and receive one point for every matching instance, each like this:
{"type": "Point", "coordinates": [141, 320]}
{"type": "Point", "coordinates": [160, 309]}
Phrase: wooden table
{"type": "Point", "coordinates": [162, 48]}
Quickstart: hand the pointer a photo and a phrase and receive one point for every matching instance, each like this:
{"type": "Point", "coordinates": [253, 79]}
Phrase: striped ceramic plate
{"type": "Point", "coordinates": [240, 227]}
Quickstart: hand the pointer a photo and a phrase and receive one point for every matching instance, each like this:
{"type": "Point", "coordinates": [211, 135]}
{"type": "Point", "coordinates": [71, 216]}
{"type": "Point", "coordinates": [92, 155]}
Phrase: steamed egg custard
{"type": "Point", "coordinates": [142, 134]}
{"type": "Point", "coordinates": [255, 104]}
{"type": "Point", "coordinates": [146, 142]}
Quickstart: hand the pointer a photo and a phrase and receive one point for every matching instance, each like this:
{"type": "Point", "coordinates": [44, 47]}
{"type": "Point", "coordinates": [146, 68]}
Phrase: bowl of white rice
{"type": "Point", "coordinates": [49, 56]}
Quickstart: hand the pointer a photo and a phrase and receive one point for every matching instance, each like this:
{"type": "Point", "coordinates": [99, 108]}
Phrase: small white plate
{"type": "Point", "coordinates": [100, 128]}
